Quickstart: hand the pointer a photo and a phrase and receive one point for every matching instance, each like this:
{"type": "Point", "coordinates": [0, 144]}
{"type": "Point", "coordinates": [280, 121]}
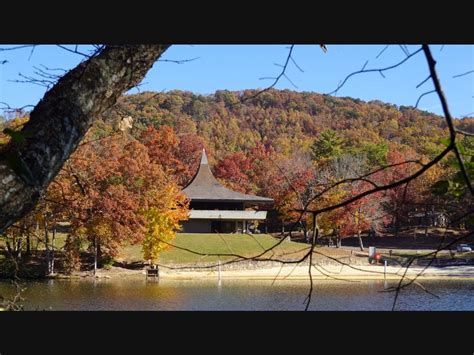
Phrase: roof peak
{"type": "Point", "coordinates": [204, 186]}
{"type": "Point", "coordinates": [204, 160]}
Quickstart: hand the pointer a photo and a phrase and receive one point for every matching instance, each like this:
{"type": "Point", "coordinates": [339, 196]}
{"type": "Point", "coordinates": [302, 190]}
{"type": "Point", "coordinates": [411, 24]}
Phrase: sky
{"type": "Point", "coordinates": [238, 67]}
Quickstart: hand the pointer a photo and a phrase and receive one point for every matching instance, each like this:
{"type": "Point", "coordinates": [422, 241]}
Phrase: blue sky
{"type": "Point", "coordinates": [236, 67]}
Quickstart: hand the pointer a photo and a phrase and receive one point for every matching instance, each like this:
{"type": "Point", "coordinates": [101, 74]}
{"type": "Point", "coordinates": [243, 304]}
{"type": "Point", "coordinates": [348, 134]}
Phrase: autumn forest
{"type": "Point", "coordinates": [122, 185]}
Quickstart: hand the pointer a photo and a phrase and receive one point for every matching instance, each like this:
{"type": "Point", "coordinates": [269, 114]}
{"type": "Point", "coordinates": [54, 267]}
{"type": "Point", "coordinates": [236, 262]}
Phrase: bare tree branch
{"type": "Point", "coordinates": [276, 80]}
{"type": "Point", "coordinates": [463, 74]}
{"type": "Point", "coordinates": [178, 61]}
{"type": "Point", "coordinates": [74, 51]}
{"type": "Point", "coordinates": [381, 52]}
{"type": "Point", "coordinates": [424, 81]}
{"type": "Point", "coordinates": [17, 47]}
{"type": "Point", "coordinates": [422, 95]}
{"type": "Point", "coordinates": [381, 70]}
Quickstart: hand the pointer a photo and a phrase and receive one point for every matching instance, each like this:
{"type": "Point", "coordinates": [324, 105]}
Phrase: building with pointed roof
{"type": "Point", "coordinates": [217, 209]}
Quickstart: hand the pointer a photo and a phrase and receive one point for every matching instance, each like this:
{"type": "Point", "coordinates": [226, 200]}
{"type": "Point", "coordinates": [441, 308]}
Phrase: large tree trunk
{"type": "Point", "coordinates": [61, 119]}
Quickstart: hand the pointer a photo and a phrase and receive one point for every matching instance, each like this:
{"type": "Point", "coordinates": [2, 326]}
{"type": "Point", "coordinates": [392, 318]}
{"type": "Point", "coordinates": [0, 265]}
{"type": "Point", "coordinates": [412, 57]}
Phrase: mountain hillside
{"type": "Point", "coordinates": [285, 120]}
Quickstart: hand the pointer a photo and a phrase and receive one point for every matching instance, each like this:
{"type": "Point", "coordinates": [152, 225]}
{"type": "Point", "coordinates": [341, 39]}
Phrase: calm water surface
{"type": "Point", "coordinates": [138, 294]}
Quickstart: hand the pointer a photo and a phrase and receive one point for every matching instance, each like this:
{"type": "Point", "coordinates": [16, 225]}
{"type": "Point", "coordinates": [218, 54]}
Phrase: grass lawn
{"type": "Point", "coordinates": [241, 244]}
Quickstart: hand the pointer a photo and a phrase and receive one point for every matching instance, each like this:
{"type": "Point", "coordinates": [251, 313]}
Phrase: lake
{"type": "Point", "coordinates": [139, 294]}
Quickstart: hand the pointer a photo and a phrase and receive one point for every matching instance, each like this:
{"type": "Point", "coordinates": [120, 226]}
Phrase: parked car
{"type": "Point", "coordinates": [463, 248]}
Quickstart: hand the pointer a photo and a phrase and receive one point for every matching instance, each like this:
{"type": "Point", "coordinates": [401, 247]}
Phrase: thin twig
{"type": "Point", "coordinates": [466, 73]}
{"type": "Point", "coordinates": [381, 70]}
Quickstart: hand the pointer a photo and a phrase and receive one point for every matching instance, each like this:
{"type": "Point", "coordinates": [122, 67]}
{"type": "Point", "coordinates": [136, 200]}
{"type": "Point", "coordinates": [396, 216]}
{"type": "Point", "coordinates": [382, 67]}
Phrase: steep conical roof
{"type": "Point", "coordinates": [205, 187]}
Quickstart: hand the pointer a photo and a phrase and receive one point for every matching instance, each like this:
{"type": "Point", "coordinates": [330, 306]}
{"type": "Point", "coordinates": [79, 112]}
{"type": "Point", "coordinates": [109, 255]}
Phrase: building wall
{"type": "Point", "coordinates": [197, 226]}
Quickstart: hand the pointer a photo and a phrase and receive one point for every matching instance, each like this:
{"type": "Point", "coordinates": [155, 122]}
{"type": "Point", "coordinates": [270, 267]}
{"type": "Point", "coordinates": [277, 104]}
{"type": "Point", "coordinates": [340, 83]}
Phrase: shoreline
{"type": "Point", "coordinates": [336, 273]}
{"type": "Point", "coordinates": [288, 272]}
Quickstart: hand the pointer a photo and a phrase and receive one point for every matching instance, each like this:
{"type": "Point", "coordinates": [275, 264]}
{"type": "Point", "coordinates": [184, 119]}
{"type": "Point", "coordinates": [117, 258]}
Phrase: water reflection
{"type": "Point", "coordinates": [140, 294]}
